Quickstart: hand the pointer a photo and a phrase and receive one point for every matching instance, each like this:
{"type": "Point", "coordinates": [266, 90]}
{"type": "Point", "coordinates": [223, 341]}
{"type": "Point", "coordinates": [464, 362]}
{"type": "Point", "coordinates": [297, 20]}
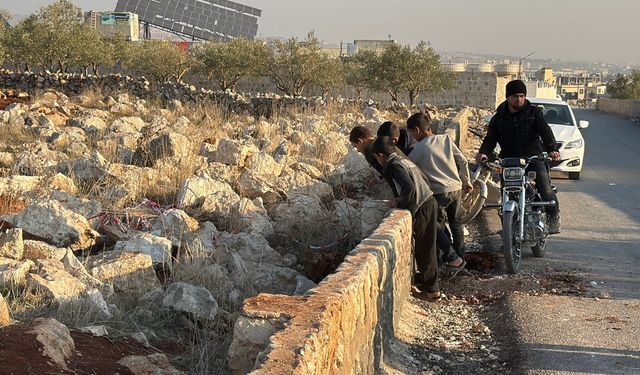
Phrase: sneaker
{"type": "Point", "coordinates": [554, 224]}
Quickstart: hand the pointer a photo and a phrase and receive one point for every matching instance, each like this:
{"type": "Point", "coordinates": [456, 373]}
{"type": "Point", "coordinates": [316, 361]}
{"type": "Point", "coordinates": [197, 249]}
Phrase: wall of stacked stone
{"type": "Point", "coordinates": [77, 84]}
{"type": "Point", "coordinates": [473, 89]}
{"type": "Point", "coordinates": [626, 108]}
{"type": "Point", "coordinates": [340, 327]}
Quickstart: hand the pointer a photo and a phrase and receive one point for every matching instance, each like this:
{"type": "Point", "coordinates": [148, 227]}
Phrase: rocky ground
{"type": "Point", "coordinates": [138, 228]}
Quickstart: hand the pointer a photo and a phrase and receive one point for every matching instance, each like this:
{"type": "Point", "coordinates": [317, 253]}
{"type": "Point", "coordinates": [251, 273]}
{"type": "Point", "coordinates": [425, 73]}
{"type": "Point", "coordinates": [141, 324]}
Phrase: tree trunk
{"type": "Point", "coordinates": [413, 95]}
{"type": "Point", "coordinates": [394, 97]}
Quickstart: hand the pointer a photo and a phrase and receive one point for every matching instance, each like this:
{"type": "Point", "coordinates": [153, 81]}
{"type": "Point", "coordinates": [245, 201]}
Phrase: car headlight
{"type": "Point", "coordinates": [578, 143]}
{"type": "Point", "coordinates": [513, 173]}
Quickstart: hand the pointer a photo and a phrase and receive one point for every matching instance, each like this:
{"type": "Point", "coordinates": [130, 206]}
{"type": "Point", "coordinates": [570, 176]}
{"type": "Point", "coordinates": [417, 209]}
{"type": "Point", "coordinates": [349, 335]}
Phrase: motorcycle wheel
{"type": "Point", "coordinates": [510, 247]}
{"type": "Point", "coordinates": [472, 203]}
{"type": "Point", "coordinates": [540, 248]}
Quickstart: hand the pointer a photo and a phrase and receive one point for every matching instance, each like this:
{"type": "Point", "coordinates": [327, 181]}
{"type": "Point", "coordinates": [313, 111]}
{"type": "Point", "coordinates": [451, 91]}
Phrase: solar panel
{"type": "Point", "coordinates": [202, 19]}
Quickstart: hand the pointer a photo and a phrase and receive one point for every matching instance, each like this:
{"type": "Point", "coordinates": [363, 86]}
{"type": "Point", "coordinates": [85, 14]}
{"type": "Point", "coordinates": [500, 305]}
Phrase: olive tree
{"type": "Point", "coordinates": [292, 64]}
{"type": "Point", "coordinates": [227, 63]}
{"type": "Point", "coordinates": [160, 59]}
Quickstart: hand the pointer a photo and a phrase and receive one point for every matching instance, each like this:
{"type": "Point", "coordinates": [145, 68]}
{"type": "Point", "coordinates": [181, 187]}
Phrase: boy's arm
{"type": "Point", "coordinates": [407, 187]}
{"type": "Point", "coordinates": [461, 162]}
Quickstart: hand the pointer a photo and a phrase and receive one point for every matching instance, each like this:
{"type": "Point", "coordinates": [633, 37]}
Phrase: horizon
{"type": "Point", "coordinates": [559, 34]}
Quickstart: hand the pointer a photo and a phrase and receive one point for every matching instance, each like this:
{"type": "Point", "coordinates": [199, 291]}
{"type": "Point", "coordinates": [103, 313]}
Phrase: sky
{"type": "Point", "coordinates": [574, 30]}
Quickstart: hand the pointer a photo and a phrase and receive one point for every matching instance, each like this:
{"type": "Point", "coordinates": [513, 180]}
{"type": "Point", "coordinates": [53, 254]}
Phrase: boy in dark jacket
{"type": "Point", "coordinates": [415, 195]}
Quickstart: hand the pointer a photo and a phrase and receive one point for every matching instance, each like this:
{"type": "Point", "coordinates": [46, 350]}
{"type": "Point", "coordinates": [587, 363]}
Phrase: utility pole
{"type": "Point", "coordinates": [520, 64]}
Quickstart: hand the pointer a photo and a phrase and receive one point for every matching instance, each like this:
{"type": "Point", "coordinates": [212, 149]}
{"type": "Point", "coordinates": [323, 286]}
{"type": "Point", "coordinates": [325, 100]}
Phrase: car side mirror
{"type": "Point", "coordinates": [582, 124]}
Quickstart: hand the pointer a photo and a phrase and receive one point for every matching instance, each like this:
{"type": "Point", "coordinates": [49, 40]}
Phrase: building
{"type": "Point", "coordinates": [371, 44]}
{"type": "Point", "coordinates": [580, 86]}
{"type": "Point", "coordinates": [111, 24]}
{"type": "Point", "coordinates": [546, 75]}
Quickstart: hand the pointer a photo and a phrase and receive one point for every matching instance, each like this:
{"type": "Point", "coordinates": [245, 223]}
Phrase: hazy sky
{"type": "Point", "coordinates": [602, 30]}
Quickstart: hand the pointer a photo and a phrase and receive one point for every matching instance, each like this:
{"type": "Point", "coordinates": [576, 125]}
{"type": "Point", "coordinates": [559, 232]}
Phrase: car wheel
{"type": "Point", "coordinates": [574, 175]}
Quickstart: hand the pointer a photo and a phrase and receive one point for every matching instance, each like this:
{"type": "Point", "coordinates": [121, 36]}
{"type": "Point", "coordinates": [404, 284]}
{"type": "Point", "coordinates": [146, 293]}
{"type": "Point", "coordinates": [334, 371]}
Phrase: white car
{"type": "Point", "coordinates": [560, 118]}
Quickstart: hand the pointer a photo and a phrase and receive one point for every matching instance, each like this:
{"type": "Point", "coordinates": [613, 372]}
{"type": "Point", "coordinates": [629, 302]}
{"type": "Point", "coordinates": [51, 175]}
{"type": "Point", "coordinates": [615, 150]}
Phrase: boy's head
{"type": "Point", "coordinates": [389, 129]}
{"type": "Point", "coordinates": [383, 147]}
{"type": "Point", "coordinates": [359, 137]}
{"type": "Point", "coordinates": [419, 124]}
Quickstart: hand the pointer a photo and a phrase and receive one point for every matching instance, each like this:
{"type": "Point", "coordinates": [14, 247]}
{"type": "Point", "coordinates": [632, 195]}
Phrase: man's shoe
{"type": "Point", "coordinates": [554, 224]}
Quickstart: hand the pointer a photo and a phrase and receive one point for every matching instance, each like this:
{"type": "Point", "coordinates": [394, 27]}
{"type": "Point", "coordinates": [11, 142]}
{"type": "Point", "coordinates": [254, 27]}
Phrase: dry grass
{"type": "Point", "coordinates": [11, 204]}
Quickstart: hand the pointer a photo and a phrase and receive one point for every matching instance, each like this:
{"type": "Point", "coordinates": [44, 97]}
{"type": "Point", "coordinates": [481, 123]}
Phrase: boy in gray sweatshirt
{"type": "Point", "coordinates": [447, 169]}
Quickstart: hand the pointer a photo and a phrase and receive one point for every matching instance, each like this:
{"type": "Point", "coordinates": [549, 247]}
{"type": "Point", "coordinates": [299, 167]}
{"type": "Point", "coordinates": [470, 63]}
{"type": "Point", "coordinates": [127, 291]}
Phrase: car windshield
{"type": "Point", "coordinates": [557, 114]}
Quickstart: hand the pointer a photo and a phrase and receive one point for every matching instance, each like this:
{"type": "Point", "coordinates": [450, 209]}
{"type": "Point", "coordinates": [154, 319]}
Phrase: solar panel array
{"type": "Point", "coordinates": [202, 19]}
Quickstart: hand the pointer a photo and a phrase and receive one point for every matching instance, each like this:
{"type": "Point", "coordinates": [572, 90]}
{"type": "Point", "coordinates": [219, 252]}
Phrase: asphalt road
{"type": "Point", "coordinates": [601, 238]}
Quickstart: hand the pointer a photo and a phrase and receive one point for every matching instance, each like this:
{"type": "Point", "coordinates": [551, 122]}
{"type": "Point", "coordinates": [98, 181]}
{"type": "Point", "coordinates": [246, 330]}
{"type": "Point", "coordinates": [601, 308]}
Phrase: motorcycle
{"type": "Point", "coordinates": [524, 221]}
{"type": "Point", "coordinates": [486, 190]}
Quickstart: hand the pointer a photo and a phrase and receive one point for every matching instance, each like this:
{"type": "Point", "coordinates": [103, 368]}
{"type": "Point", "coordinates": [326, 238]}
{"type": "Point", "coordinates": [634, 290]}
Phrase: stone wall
{"type": "Point", "coordinates": [341, 326]}
{"type": "Point", "coordinates": [77, 84]}
{"type": "Point", "coordinates": [626, 108]}
{"type": "Point", "coordinates": [473, 89]}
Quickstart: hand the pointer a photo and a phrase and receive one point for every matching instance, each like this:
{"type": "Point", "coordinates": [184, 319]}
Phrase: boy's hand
{"type": "Point", "coordinates": [468, 188]}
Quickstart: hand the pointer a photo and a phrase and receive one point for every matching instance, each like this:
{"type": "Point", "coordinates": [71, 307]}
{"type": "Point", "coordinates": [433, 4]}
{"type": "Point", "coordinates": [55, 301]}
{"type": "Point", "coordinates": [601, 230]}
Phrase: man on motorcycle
{"type": "Point", "coordinates": [522, 132]}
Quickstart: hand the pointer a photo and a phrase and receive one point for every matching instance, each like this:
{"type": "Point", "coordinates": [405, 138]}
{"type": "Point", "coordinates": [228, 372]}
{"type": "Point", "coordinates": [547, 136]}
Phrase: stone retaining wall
{"type": "Point", "coordinates": [77, 84]}
{"type": "Point", "coordinates": [626, 108]}
{"type": "Point", "coordinates": [341, 326]}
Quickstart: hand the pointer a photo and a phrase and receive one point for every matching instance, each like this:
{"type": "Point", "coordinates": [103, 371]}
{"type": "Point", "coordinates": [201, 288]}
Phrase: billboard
{"type": "Point", "coordinates": [115, 18]}
{"type": "Point", "coordinates": [201, 19]}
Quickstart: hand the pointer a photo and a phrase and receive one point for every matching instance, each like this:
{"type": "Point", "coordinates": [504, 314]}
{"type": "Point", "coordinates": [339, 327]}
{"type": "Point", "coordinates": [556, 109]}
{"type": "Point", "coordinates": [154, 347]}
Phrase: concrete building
{"type": "Point", "coordinates": [546, 75]}
{"type": "Point", "coordinates": [375, 45]}
{"type": "Point", "coordinates": [114, 23]}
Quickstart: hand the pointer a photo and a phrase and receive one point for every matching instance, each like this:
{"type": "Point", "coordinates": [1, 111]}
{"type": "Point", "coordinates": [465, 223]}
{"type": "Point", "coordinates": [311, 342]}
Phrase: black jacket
{"type": "Point", "coordinates": [371, 158]}
{"type": "Point", "coordinates": [520, 134]}
{"type": "Point", "coordinates": [410, 182]}
{"type": "Point", "coordinates": [405, 141]}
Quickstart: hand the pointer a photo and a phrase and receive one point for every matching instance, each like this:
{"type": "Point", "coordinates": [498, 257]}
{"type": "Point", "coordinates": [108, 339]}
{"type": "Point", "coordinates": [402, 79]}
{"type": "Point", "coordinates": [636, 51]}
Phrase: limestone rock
{"type": "Point", "coordinates": [247, 217]}
{"type": "Point", "coordinates": [174, 224]}
{"type": "Point", "coordinates": [346, 218]}
{"type": "Point", "coordinates": [127, 271]}
{"type": "Point", "coordinates": [131, 124]}
{"type": "Point", "coordinates": [36, 185]}
{"type": "Point", "coordinates": [65, 137]}
{"type": "Point", "coordinates": [153, 364]}
{"type": "Point", "coordinates": [41, 250]}
{"type": "Point", "coordinates": [85, 207]}
{"type": "Point", "coordinates": [263, 165]}
{"type": "Point", "coordinates": [87, 168]}
{"type": "Point", "coordinates": [36, 159]}
{"type": "Point", "coordinates": [300, 217]}
{"type": "Point", "coordinates": [55, 281]}
{"type": "Point", "coordinates": [253, 186]}
{"type": "Point", "coordinates": [55, 339]}
{"type": "Point", "coordinates": [92, 125]}
{"type": "Point", "coordinates": [202, 240]}
{"type": "Point", "coordinates": [58, 225]}
{"type": "Point", "coordinates": [5, 313]}
{"type": "Point", "coordinates": [233, 152]}
{"type": "Point", "coordinates": [14, 272]}
{"type": "Point", "coordinates": [295, 183]}
{"type": "Point", "coordinates": [97, 331]}
{"type": "Point", "coordinates": [191, 299]}
{"type": "Point", "coordinates": [220, 172]}
{"type": "Point", "coordinates": [158, 248]}
{"type": "Point", "coordinates": [11, 244]}
{"type": "Point", "coordinates": [170, 144]}
{"type": "Point", "coordinates": [371, 215]}
{"type": "Point", "coordinates": [250, 337]}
